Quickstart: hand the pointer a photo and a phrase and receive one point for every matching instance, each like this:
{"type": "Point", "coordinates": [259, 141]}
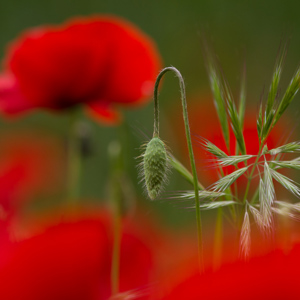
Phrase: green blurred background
{"type": "Point", "coordinates": [240, 31]}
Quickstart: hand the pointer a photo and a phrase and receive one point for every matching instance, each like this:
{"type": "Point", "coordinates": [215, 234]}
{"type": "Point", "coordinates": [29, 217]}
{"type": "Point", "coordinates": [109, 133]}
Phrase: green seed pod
{"type": "Point", "coordinates": [155, 166]}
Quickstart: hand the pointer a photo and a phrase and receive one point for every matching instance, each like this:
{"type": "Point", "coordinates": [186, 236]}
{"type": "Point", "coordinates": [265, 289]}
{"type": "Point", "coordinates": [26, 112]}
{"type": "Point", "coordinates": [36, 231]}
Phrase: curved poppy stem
{"type": "Point", "coordinates": [190, 148]}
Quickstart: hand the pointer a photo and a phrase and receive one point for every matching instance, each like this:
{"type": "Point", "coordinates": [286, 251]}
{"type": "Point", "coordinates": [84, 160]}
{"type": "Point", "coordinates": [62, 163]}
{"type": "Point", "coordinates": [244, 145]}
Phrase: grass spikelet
{"type": "Point", "coordinates": [286, 182]}
{"type": "Point", "coordinates": [225, 182]}
{"type": "Point", "coordinates": [290, 164]}
{"type": "Point", "coordinates": [202, 195]}
{"type": "Point", "coordinates": [212, 149]}
{"type": "Point", "coordinates": [287, 209]}
{"type": "Point", "coordinates": [232, 160]}
{"type": "Point", "coordinates": [266, 197]}
{"type": "Point", "coordinates": [288, 96]}
{"type": "Point", "coordinates": [286, 212]}
{"type": "Point", "coordinates": [155, 166]}
{"type": "Point", "coordinates": [293, 147]}
{"type": "Point", "coordinates": [245, 239]}
{"type": "Point", "coordinates": [275, 80]}
{"type": "Point", "coordinates": [268, 121]}
{"type": "Point", "coordinates": [216, 84]}
{"type": "Point", "coordinates": [235, 121]}
{"type": "Point", "coordinates": [242, 104]}
{"type": "Point", "coordinates": [216, 204]}
{"type": "Point", "coordinates": [257, 217]}
{"type": "Point", "coordinates": [259, 121]}
{"type": "Point", "coordinates": [291, 206]}
{"type": "Point", "coordinates": [271, 105]}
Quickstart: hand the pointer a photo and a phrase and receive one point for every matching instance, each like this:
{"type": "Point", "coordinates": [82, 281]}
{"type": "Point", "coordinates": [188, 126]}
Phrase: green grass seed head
{"type": "Point", "coordinates": [155, 166]}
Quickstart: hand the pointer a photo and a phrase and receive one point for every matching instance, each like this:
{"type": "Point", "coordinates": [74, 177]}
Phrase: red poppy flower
{"type": "Point", "coordinates": [272, 276]}
{"type": "Point", "coordinates": [72, 260]}
{"type": "Point", "coordinates": [102, 62]}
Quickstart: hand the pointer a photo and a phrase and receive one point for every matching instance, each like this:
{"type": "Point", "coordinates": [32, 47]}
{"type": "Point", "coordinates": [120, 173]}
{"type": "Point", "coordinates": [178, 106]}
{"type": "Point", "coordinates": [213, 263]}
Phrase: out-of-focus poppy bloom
{"type": "Point", "coordinates": [72, 260]}
{"type": "Point", "coordinates": [204, 123]}
{"type": "Point", "coordinates": [102, 61]}
{"type": "Point", "coordinates": [26, 175]}
{"type": "Point", "coordinates": [272, 276]}
{"type": "Point", "coordinates": [24, 172]}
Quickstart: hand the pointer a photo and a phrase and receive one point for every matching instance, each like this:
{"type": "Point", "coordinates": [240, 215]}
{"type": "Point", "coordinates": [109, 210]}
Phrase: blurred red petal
{"type": "Point", "coordinates": [54, 67]}
{"type": "Point", "coordinates": [272, 276]}
{"type": "Point", "coordinates": [24, 172]}
{"type": "Point", "coordinates": [62, 263]}
{"type": "Point", "coordinates": [104, 112]}
{"type": "Point", "coordinates": [83, 60]}
{"type": "Point", "coordinates": [11, 99]}
{"type": "Point", "coordinates": [72, 260]}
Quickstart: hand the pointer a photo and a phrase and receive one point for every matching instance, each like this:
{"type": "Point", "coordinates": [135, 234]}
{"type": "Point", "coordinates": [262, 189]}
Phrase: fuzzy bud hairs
{"type": "Point", "coordinates": [155, 166]}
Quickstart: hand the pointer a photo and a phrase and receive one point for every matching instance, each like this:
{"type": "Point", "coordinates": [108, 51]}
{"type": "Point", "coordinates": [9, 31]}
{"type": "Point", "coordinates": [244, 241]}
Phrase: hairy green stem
{"type": "Point", "coordinates": [115, 264]}
{"type": "Point", "coordinates": [190, 148]}
{"type": "Point", "coordinates": [74, 158]}
{"type": "Point", "coordinates": [114, 151]}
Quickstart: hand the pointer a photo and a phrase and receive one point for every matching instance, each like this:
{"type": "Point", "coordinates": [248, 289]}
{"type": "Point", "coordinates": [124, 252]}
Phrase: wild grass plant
{"type": "Point", "coordinates": [243, 204]}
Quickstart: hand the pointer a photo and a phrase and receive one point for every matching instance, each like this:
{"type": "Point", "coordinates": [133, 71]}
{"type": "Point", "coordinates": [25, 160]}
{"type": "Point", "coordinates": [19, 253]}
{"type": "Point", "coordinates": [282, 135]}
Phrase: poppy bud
{"type": "Point", "coordinates": [155, 166]}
